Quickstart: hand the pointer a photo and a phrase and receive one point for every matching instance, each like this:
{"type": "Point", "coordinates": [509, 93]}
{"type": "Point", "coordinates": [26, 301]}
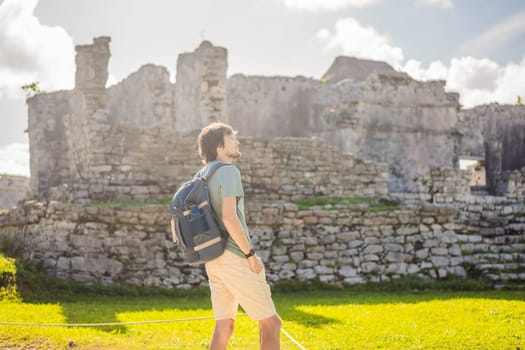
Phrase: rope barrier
{"type": "Point", "coordinates": [292, 339]}
{"type": "Point", "coordinates": [106, 324]}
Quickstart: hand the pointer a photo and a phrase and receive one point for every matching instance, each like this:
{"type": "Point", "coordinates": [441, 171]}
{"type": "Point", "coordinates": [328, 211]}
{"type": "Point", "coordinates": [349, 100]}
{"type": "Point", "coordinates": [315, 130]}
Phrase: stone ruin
{"type": "Point", "coordinates": [363, 131]}
{"type": "Point", "coordinates": [13, 189]}
{"type": "Point", "coordinates": [130, 140]}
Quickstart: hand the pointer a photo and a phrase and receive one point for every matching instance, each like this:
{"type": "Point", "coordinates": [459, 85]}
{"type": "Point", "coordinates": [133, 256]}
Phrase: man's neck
{"type": "Point", "coordinates": [224, 159]}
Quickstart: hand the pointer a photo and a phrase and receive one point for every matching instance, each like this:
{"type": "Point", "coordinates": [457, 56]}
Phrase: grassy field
{"type": "Point", "coordinates": [365, 318]}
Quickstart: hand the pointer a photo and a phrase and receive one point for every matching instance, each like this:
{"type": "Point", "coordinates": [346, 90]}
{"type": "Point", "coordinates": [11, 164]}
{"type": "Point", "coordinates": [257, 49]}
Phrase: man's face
{"type": "Point", "coordinates": [231, 147]}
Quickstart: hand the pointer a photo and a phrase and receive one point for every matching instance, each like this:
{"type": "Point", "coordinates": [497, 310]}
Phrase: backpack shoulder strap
{"type": "Point", "coordinates": [210, 171]}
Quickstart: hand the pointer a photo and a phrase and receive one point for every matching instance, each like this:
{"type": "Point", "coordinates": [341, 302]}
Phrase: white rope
{"type": "Point", "coordinates": [105, 324]}
{"type": "Point", "coordinates": [293, 340]}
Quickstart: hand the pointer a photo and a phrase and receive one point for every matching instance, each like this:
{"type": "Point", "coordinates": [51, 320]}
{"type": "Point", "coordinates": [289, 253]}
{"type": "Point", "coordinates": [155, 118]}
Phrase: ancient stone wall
{"type": "Point", "coordinates": [94, 143]}
{"type": "Point", "coordinates": [445, 185]}
{"type": "Point", "coordinates": [348, 244]}
{"type": "Point", "coordinates": [497, 133]}
{"type": "Point", "coordinates": [149, 163]}
{"type": "Point", "coordinates": [391, 119]}
{"type": "Point", "coordinates": [13, 189]}
{"type": "Point", "coordinates": [378, 133]}
{"type": "Point", "coordinates": [48, 147]}
{"type": "Point", "coordinates": [144, 99]}
{"type": "Point", "coordinates": [376, 114]}
{"type": "Point", "coordinates": [400, 121]}
{"type": "Point", "coordinates": [281, 168]}
{"type": "Point", "coordinates": [512, 184]}
{"type": "Point", "coordinates": [92, 64]}
{"type": "Point", "coordinates": [292, 168]}
{"type": "Point", "coordinates": [491, 236]}
{"type": "Point", "coordinates": [200, 95]}
{"type": "Point", "coordinates": [280, 106]}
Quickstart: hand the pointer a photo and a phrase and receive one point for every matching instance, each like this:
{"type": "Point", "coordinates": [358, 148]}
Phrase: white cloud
{"type": "Point", "coordinates": [498, 35]}
{"type": "Point", "coordinates": [31, 51]}
{"type": "Point", "coordinates": [473, 74]}
{"type": "Point", "coordinates": [356, 40]}
{"type": "Point", "coordinates": [326, 5]}
{"type": "Point", "coordinates": [333, 5]}
{"type": "Point", "coordinates": [14, 159]}
{"type": "Point", "coordinates": [436, 70]}
{"type": "Point", "coordinates": [440, 3]}
{"type": "Point", "coordinates": [479, 81]}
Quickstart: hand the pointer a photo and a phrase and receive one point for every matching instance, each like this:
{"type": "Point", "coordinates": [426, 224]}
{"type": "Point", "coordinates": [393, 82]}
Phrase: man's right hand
{"type": "Point", "coordinates": [256, 264]}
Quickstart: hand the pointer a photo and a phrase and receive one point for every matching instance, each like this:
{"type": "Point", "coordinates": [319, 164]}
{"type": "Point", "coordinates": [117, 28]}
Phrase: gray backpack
{"type": "Point", "coordinates": [200, 235]}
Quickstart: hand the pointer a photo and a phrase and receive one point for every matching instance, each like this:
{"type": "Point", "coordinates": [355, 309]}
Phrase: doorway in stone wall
{"type": "Point", "coordinates": [478, 179]}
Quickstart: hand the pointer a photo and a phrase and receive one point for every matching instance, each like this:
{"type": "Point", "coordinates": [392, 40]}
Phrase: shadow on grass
{"type": "Point", "coordinates": [103, 304]}
{"type": "Point", "coordinates": [83, 304]}
{"type": "Point", "coordinates": [97, 303]}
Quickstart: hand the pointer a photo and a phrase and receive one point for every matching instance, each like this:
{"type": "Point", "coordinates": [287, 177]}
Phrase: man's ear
{"type": "Point", "coordinates": [219, 149]}
{"type": "Point", "coordinates": [221, 145]}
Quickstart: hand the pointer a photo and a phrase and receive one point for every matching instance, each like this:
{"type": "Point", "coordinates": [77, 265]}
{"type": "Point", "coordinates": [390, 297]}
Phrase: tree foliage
{"type": "Point", "coordinates": [32, 89]}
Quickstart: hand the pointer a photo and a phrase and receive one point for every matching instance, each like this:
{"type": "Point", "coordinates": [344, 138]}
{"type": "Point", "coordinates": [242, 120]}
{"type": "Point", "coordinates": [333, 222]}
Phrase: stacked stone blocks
{"type": "Point", "coordinates": [339, 245]}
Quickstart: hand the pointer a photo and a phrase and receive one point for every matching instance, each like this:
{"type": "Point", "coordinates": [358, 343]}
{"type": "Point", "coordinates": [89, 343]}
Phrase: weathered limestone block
{"type": "Point", "coordinates": [355, 244]}
{"type": "Point", "coordinates": [324, 270]}
{"type": "Point", "coordinates": [394, 247]}
{"type": "Point", "coordinates": [354, 280]}
{"type": "Point", "coordinates": [305, 274]}
{"type": "Point", "coordinates": [327, 278]}
{"type": "Point", "coordinates": [369, 267]}
{"type": "Point", "coordinates": [397, 268]}
{"type": "Point", "coordinates": [308, 263]}
{"type": "Point", "coordinates": [279, 250]}
{"type": "Point", "coordinates": [440, 261]}
{"type": "Point", "coordinates": [439, 251]}
{"type": "Point", "coordinates": [371, 240]}
{"type": "Point", "coordinates": [280, 258]}
{"type": "Point", "coordinates": [407, 230]}
{"type": "Point", "coordinates": [372, 249]}
{"type": "Point", "coordinates": [347, 271]}
{"type": "Point", "coordinates": [311, 241]}
{"type": "Point", "coordinates": [371, 257]}
{"type": "Point", "coordinates": [397, 257]}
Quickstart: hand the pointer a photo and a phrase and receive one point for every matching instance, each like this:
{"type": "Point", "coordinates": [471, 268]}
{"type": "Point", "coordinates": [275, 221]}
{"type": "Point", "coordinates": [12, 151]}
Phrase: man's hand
{"type": "Point", "coordinates": [256, 264]}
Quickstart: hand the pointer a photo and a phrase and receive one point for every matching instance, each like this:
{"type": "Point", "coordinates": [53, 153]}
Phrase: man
{"type": "Point", "coordinates": [237, 276]}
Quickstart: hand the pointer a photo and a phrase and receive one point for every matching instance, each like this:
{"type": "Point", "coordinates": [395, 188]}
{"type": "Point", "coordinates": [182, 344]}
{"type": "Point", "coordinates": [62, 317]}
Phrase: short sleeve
{"type": "Point", "coordinates": [230, 184]}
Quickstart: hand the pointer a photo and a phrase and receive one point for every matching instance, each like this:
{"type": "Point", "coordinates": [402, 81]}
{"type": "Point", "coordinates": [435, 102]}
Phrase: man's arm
{"type": "Point", "coordinates": [234, 227]}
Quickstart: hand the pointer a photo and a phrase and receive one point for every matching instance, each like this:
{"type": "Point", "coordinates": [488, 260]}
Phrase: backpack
{"type": "Point", "coordinates": [200, 235]}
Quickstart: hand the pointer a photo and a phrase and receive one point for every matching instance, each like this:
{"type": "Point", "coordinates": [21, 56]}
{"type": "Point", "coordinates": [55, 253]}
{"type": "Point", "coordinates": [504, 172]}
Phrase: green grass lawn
{"type": "Point", "coordinates": [318, 319]}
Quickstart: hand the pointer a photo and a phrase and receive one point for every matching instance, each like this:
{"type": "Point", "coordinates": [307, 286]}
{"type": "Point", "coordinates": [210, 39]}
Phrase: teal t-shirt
{"type": "Point", "coordinates": [226, 182]}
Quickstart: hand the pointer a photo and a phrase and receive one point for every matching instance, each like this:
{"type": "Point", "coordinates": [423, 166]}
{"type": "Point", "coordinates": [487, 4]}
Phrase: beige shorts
{"type": "Point", "coordinates": [233, 283]}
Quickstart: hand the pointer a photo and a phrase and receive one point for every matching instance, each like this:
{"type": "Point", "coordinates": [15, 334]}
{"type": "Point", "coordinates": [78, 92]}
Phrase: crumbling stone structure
{"type": "Point", "coordinates": [495, 134]}
{"type": "Point", "coordinates": [129, 140]}
{"type": "Point", "coordinates": [363, 130]}
{"type": "Point", "coordinates": [13, 189]}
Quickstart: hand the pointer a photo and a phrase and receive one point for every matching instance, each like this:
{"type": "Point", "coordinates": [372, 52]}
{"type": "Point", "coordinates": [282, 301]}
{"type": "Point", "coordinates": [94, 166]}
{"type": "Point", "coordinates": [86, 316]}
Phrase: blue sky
{"type": "Point", "coordinates": [478, 46]}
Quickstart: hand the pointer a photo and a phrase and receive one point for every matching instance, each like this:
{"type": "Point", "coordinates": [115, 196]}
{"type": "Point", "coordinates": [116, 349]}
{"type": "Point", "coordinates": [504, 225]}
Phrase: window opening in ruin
{"type": "Point", "coordinates": [477, 169]}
